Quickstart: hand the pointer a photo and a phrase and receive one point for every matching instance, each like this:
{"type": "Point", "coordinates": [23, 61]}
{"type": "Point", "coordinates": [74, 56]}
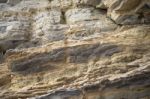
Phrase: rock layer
{"type": "Point", "coordinates": [75, 49]}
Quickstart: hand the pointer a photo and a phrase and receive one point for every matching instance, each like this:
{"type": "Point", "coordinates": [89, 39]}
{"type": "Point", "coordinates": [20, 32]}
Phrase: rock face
{"type": "Point", "coordinates": [75, 49]}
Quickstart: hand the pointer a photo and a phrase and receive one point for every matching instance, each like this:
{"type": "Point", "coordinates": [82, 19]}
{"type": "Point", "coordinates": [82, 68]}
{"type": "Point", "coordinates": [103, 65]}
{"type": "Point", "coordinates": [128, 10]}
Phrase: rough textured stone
{"type": "Point", "coordinates": [74, 49]}
{"type": "Point", "coordinates": [125, 11]}
{"type": "Point", "coordinates": [13, 2]}
{"type": "Point", "coordinates": [49, 26]}
{"type": "Point", "coordinates": [67, 4]}
{"type": "Point", "coordinates": [82, 14]}
{"type": "Point", "coordinates": [14, 31]}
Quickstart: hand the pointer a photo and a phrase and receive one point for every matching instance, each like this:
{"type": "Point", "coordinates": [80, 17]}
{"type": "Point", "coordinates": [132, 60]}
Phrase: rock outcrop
{"type": "Point", "coordinates": [75, 49]}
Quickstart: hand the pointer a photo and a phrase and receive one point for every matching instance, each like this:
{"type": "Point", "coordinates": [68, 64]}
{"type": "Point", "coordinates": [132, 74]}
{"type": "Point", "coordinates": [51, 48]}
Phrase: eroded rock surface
{"type": "Point", "coordinates": [75, 49]}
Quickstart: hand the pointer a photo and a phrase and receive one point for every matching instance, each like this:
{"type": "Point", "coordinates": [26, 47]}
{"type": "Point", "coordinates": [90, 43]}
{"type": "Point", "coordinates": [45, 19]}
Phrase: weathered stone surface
{"type": "Point", "coordinates": [67, 4]}
{"type": "Point", "coordinates": [74, 49]}
{"type": "Point", "coordinates": [90, 29]}
{"type": "Point", "coordinates": [28, 5]}
{"type": "Point", "coordinates": [63, 94]}
{"type": "Point", "coordinates": [13, 2]}
{"type": "Point", "coordinates": [13, 31]}
{"type": "Point", "coordinates": [125, 11]}
{"type": "Point", "coordinates": [82, 14]}
{"type": "Point", "coordinates": [3, 1]}
{"type": "Point", "coordinates": [76, 54]}
{"type": "Point", "coordinates": [49, 26]}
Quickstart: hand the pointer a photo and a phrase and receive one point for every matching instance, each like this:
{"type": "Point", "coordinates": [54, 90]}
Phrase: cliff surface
{"type": "Point", "coordinates": [75, 49]}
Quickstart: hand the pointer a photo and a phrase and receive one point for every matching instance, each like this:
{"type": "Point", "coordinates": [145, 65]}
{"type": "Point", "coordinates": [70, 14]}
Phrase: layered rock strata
{"type": "Point", "coordinates": [74, 49]}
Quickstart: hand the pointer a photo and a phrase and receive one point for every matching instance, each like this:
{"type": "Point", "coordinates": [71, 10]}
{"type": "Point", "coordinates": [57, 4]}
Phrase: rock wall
{"type": "Point", "coordinates": [75, 49]}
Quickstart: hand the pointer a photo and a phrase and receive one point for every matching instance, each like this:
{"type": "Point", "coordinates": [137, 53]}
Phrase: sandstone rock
{"type": "Point", "coordinates": [74, 94]}
{"type": "Point", "coordinates": [27, 5]}
{"type": "Point", "coordinates": [13, 34]}
{"type": "Point", "coordinates": [13, 2]}
{"type": "Point", "coordinates": [51, 33]}
{"type": "Point", "coordinates": [51, 17]}
{"type": "Point", "coordinates": [74, 49]}
{"type": "Point", "coordinates": [86, 2]}
{"type": "Point", "coordinates": [85, 14]}
{"type": "Point", "coordinates": [48, 26]}
{"type": "Point", "coordinates": [125, 12]}
{"type": "Point", "coordinates": [89, 29]}
{"type": "Point", "coordinates": [76, 55]}
{"type": "Point", "coordinates": [67, 4]}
